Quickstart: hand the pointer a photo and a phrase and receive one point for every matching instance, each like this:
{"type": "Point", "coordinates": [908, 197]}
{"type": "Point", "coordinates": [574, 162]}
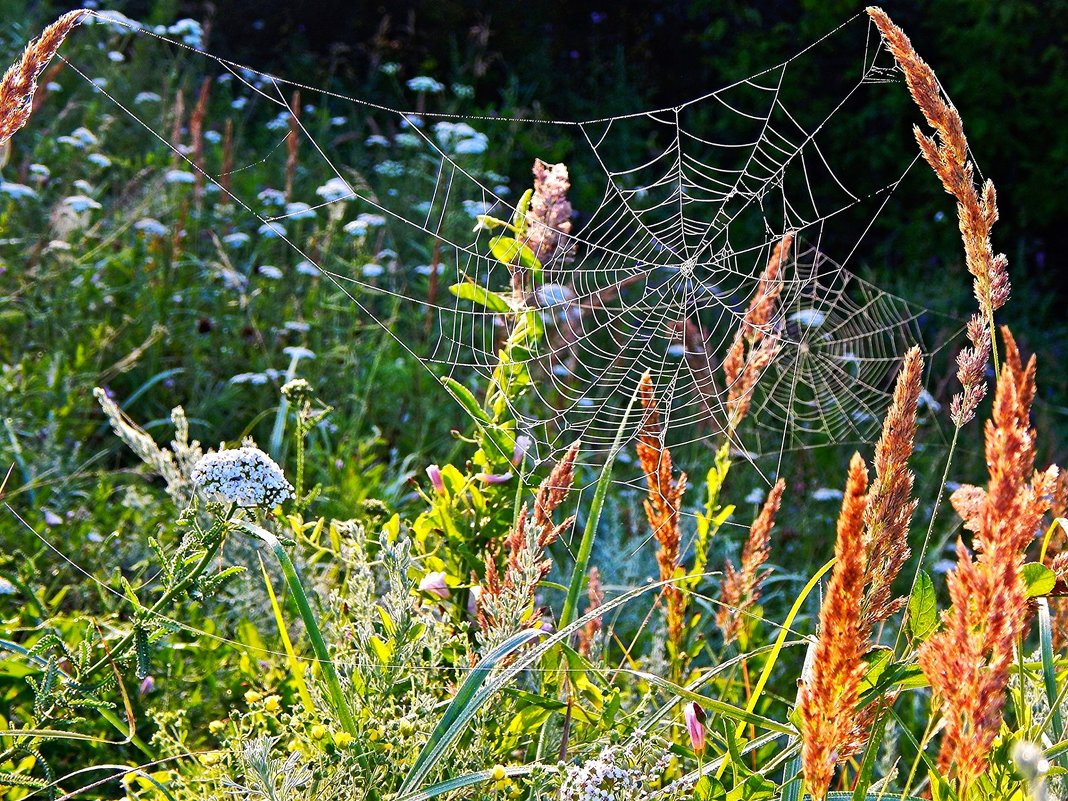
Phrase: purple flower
{"type": "Point", "coordinates": [434, 583]}
{"type": "Point", "coordinates": [493, 478]}
{"type": "Point", "coordinates": [695, 725]}
{"type": "Point", "coordinates": [434, 474]}
{"type": "Point", "coordinates": [147, 685]}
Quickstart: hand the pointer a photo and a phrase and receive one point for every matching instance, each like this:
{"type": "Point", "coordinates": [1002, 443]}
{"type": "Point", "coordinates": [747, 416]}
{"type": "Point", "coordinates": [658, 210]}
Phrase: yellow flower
{"type": "Point", "coordinates": [318, 731]}
{"type": "Point", "coordinates": [272, 703]}
{"type": "Point", "coordinates": [252, 697]}
{"type": "Point", "coordinates": [216, 726]}
{"type": "Point", "coordinates": [342, 739]}
{"type": "Point", "coordinates": [498, 774]}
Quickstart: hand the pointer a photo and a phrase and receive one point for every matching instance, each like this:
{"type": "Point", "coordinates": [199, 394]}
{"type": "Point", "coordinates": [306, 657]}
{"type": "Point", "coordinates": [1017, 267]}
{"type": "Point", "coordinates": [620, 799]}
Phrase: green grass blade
{"type": "Point", "coordinates": [461, 713]}
{"type": "Point", "coordinates": [464, 781]}
{"type": "Point", "coordinates": [291, 655]}
{"type": "Point", "coordinates": [311, 625]}
{"type": "Point", "coordinates": [593, 519]}
{"type": "Point", "coordinates": [1049, 667]}
{"type": "Point", "coordinates": [711, 705]}
{"type": "Point", "coordinates": [765, 674]}
{"type": "Point", "coordinates": [447, 730]}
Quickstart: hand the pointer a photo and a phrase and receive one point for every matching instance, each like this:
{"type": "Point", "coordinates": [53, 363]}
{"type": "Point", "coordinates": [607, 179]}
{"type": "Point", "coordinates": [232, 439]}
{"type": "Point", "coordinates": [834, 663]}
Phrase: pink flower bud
{"type": "Point", "coordinates": [434, 474]}
{"type": "Point", "coordinates": [522, 445]}
{"type": "Point", "coordinates": [493, 478]}
{"type": "Point", "coordinates": [695, 725]}
{"type": "Point", "coordinates": [472, 600]}
{"type": "Point", "coordinates": [434, 583]}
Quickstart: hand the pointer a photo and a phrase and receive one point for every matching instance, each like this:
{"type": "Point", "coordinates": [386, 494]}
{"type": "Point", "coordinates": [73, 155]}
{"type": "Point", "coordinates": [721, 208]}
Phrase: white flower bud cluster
{"type": "Point", "coordinates": [618, 774]}
{"type": "Point", "coordinates": [244, 476]}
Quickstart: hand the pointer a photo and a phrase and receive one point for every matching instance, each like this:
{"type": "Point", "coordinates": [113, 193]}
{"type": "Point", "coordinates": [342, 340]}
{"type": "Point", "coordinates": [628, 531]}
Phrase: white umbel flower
{"type": "Point", "coordinates": [245, 476]}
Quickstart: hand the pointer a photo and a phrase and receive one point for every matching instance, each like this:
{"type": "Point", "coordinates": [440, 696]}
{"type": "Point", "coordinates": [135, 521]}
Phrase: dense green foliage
{"type": "Point", "coordinates": [325, 647]}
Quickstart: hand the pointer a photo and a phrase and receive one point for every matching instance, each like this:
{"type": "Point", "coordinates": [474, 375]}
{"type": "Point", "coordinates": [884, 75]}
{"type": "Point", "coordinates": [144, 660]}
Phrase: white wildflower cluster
{"type": "Point", "coordinates": [245, 476]}
{"type": "Point", "coordinates": [619, 773]}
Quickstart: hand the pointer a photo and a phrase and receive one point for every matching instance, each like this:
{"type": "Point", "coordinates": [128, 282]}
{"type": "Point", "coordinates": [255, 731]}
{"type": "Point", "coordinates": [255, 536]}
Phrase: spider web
{"type": "Point", "coordinates": [657, 277]}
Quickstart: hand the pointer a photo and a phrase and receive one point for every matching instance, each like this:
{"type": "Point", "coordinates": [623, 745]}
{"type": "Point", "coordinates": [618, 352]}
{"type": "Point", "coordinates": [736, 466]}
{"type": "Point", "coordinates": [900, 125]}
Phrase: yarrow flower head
{"type": "Point", "coordinates": [244, 476]}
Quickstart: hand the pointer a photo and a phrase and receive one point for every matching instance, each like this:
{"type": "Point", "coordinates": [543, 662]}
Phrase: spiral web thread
{"type": "Point", "coordinates": [659, 274]}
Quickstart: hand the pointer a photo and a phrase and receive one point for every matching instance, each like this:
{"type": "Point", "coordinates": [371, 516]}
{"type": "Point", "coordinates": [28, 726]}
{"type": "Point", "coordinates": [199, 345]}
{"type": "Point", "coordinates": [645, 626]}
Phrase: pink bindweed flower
{"type": "Point", "coordinates": [695, 725]}
{"type": "Point", "coordinates": [434, 474]}
{"type": "Point", "coordinates": [434, 583]}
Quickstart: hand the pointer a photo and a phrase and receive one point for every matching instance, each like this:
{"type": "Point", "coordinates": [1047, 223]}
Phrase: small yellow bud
{"type": "Point", "coordinates": [342, 739]}
{"type": "Point", "coordinates": [318, 731]}
{"type": "Point", "coordinates": [406, 727]}
{"type": "Point", "coordinates": [216, 726]}
{"type": "Point", "coordinates": [498, 774]}
{"type": "Point", "coordinates": [374, 735]}
{"type": "Point", "coordinates": [210, 758]}
{"type": "Point", "coordinates": [293, 745]}
{"type": "Point", "coordinates": [252, 697]}
{"type": "Point", "coordinates": [272, 703]}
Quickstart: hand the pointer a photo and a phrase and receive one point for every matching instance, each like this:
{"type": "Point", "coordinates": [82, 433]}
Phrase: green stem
{"type": "Point", "coordinates": [931, 523]}
{"type": "Point", "coordinates": [582, 559]}
{"type": "Point", "coordinates": [315, 634]}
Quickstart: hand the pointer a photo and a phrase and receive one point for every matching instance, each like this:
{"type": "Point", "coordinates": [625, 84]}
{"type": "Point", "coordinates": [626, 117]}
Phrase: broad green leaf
{"type": "Point", "coordinates": [508, 250]}
{"type": "Point", "coordinates": [1039, 579]}
{"type": "Point", "coordinates": [466, 399]}
{"type": "Point", "coordinates": [923, 609]}
{"type": "Point", "coordinates": [479, 295]}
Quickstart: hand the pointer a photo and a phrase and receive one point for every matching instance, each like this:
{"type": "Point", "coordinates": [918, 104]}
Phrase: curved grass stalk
{"type": "Point", "coordinates": [765, 674]}
{"type": "Point", "coordinates": [311, 625]}
{"type": "Point", "coordinates": [582, 559]}
{"type": "Point", "coordinates": [466, 781]}
{"type": "Point", "coordinates": [462, 710]}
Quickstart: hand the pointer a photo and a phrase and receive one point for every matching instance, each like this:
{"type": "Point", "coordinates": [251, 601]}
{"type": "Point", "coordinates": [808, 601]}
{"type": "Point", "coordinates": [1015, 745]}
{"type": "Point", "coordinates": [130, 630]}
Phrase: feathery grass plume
{"type": "Point", "coordinates": [829, 692]}
{"type": "Point", "coordinates": [977, 209]}
{"type": "Point", "coordinates": [969, 660]}
{"type": "Point", "coordinates": [662, 505]}
{"type": "Point", "coordinates": [890, 505]}
{"type": "Point", "coordinates": [741, 587]}
{"type": "Point", "coordinates": [504, 602]}
{"type": "Point", "coordinates": [595, 595]}
{"type": "Point", "coordinates": [754, 345]}
{"type": "Point", "coordinates": [19, 84]}
{"type": "Point", "coordinates": [549, 218]}
{"type": "Point", "coordinates": [196, 136]}
{"type": "Point", "coordinates": [292, 143]}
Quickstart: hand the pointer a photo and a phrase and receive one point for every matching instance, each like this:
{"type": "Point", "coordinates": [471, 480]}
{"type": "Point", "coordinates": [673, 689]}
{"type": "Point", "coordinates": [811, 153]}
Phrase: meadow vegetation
{"type": "Point", "coordinates": [250, 547]}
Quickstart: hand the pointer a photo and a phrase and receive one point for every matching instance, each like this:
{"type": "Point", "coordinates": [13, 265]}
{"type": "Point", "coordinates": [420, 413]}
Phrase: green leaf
{"type": "Point", "coordinates": [1039, 579]}
{"type": "Point", "coordinates": [519, 219]}
{"type": "Point", "coordinates": [480, 296]}
{"type": "Point", "coordinates": [923, 609]}
{"type": "Point", "coordinates": [508, 250]}
{"type": "Point", "coordinates": [466, 399]}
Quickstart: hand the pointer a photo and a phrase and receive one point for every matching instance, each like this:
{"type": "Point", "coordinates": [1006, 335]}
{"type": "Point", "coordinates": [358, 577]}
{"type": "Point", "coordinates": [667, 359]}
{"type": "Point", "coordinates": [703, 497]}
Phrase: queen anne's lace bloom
{"type": "Point", "coordinates": [245, 476]}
